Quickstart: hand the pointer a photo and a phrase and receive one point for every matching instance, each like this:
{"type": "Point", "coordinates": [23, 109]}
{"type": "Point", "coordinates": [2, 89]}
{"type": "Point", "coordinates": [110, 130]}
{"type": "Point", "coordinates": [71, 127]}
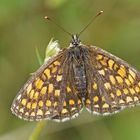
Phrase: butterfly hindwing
{"type": "Point", "coordinates": [47, 94]}
{"type": "Point", "coordinates": [114, 84]}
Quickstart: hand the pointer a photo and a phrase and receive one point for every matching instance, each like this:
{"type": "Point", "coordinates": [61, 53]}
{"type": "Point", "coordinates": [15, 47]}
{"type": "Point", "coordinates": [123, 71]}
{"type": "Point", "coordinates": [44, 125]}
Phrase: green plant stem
{"type": "Point", "coordinates": [40, 61]}
{"type": "Point", "coordinates": [37, 130]}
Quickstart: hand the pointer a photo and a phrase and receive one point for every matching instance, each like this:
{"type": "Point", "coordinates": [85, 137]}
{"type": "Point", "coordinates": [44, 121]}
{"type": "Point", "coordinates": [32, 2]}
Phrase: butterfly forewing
{"type": "Point", "coordinates": [48, 94]}
{"type": "Point", "coordinates": [114, 84]}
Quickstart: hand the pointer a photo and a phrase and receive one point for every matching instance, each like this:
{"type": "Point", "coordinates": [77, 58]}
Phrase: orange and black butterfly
{"type": "Point", "coordinates": [78, 76]}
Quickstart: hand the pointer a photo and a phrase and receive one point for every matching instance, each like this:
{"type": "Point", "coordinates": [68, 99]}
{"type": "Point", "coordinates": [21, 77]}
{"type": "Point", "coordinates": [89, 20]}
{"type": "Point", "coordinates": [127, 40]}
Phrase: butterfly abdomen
{"type": "Point", "coordinates": [80, 80]}
{"type": "Point", "coordinates": [79, 71]}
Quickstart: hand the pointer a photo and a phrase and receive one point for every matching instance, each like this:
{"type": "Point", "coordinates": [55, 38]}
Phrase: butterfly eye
{"type": "Point", "coordinates": [75, 40]}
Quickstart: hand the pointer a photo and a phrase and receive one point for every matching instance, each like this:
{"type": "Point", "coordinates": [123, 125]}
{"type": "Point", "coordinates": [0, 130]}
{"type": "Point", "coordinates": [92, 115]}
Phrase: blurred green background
{"type": "Point", "coordinates": [22, 29]}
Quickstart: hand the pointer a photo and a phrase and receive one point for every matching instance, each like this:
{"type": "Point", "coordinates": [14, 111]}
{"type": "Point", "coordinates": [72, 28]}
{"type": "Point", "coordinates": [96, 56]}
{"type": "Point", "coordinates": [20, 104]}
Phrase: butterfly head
{"type": "Point", "coordinates": [75, 40]}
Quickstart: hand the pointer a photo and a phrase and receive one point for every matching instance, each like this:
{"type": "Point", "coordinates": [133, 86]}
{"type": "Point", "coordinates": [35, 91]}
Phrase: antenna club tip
{"type": "Point", "coordinates": [46, 17]}
{"type": "Point", "coordinates": [101, 12]}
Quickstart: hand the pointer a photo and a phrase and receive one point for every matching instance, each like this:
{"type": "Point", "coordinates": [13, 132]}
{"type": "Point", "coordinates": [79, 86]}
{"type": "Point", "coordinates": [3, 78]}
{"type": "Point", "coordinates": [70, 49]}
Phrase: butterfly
{"type": "Point", "coordinates": [76, 77]}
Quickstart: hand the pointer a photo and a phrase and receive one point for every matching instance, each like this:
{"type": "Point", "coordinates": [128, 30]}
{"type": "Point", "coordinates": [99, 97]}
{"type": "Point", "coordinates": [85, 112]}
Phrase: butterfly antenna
{"type": "Point", "coordinates": [92, 19]}
{"type": "Point", "coordinates": [48, 18]}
